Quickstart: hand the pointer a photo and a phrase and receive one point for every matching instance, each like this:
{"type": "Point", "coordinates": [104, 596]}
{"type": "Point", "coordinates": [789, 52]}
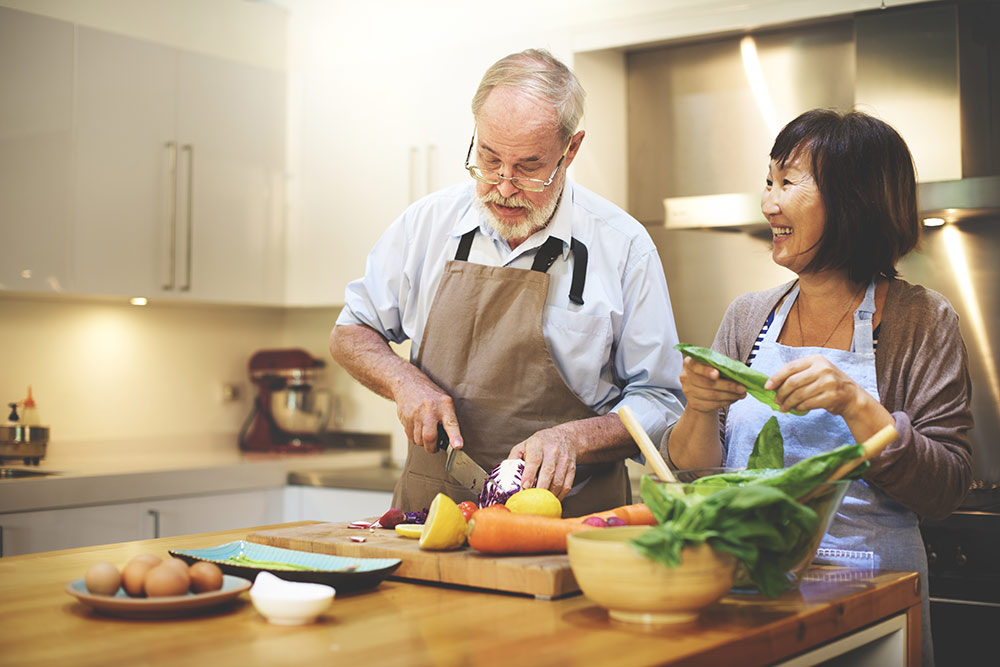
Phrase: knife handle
{"type": "Point", "coordinates": [442, 442]}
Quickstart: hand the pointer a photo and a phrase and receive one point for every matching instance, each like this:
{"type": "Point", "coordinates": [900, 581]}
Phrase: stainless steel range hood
{"type": "Point", "coordinates": [932, 71]}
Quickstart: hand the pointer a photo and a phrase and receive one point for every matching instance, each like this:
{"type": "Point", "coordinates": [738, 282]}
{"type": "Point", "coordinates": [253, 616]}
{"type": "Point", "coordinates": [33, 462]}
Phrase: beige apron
{"type": "Point", "coordinates": [483, 344]}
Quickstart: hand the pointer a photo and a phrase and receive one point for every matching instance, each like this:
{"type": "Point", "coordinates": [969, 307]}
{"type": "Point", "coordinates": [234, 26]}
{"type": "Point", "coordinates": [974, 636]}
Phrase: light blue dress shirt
{"type": "Point", "coordinates": [616, 348]}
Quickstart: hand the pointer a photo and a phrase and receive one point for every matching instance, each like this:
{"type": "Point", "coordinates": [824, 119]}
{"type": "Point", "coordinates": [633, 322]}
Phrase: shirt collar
{"type": "Point", "coordinates": [561, 225]}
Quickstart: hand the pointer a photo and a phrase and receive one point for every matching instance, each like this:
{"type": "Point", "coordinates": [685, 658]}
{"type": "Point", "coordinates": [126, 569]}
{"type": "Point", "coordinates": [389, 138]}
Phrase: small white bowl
{"type": "Point", "coordinates": [289, 602]}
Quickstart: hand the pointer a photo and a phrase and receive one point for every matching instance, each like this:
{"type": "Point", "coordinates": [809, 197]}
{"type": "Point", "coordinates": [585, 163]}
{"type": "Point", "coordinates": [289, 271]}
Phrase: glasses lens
{"type": "Point", "coordinates": [529, 184]}
{"type": "Point", "coordinates": [483, 176]}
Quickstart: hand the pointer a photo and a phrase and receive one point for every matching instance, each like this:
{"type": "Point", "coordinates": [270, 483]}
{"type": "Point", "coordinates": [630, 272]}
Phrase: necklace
{"type": "Point", "coordinates": [798, 318]}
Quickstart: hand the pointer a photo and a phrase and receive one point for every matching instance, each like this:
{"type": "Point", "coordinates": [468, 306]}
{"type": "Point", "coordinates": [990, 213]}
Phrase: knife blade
{"type": "Point", "coordinates": [461, 466]}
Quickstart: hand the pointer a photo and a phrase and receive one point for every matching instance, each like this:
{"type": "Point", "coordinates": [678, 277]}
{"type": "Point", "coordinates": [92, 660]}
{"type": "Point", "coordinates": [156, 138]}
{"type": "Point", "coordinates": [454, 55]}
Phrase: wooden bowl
{"type": "Point", "coordinates": [636, 589]}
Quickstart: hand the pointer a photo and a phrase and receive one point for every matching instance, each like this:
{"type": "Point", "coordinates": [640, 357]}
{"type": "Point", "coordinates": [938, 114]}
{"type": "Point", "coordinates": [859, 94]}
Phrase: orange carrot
{"type": "Point", "coordinates": [495, 531]}
{"type": "Point", "coordinates": [633, 515]}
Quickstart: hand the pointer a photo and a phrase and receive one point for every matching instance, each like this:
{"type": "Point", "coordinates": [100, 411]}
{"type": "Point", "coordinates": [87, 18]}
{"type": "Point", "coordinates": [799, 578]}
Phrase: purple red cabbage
{"type": "Point", "coordinates": [502, 482]}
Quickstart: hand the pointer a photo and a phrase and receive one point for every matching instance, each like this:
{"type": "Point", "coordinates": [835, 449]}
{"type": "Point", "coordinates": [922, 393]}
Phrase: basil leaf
{"type": "Point", "coordinates": [737, 371]}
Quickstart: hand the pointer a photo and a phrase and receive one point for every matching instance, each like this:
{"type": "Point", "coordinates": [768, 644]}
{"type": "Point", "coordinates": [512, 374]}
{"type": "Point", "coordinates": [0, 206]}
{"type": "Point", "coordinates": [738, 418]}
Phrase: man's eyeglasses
{"type": "Point", "coordinates": [493, 178]}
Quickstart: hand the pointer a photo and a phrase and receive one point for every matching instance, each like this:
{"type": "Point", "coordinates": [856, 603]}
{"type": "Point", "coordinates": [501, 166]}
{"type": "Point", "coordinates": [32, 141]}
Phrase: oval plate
{"type": "Point", "coordinates": [120, 604]}
{"type": "Point", "coordinates": [342, 572]}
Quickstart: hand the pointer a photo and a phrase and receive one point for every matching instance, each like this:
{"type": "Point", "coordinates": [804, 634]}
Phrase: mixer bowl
{"type": "Point", "coordinates": [301, 409]}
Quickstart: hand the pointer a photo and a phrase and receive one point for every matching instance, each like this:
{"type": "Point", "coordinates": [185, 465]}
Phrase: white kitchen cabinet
{"type": "Point", "coordinates": [311, 503]}
{"type": "Point", "coordinates": [36, 123]}
{"type": "Point", "coordinates": [48, 530]}
{"type": "Point", "coordinates": [202, 514]}
{"type": "Point", "coordinates": [180, 173]}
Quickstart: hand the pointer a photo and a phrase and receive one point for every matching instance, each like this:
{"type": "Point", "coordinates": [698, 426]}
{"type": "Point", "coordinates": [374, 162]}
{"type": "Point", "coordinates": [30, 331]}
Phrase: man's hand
{"type": "Point", "coordinates": [420, 403]}
{"type": "Point", "coordinates": [550, 458]}
{"type": "Point", "coordinates": [421, 407]}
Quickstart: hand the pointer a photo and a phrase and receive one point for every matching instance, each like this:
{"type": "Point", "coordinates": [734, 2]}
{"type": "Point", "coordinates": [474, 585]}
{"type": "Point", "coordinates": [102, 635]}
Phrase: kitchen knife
{"type": "Point", "coordinates": [461, 466]}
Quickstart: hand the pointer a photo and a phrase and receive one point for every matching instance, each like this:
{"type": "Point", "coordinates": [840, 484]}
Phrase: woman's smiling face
{"type": "Point", "coordinates": [793, 206]}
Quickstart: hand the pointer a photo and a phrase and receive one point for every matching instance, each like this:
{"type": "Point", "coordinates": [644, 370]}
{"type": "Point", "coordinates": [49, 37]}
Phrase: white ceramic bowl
{"type": "Point", "coordinates": [289, 602]}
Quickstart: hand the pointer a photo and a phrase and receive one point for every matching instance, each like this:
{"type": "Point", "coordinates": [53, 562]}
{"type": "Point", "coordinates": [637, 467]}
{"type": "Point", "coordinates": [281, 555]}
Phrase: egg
{"type": "Point", "coordinates": [205, 577]}
{"type": "Point", "coordinates": [134, 575]}
{"type": "Point", "coordinates": [165, 579]}
{"type": "Point", "coordinates": [146, 558]}
{"type": "Point", "coordinates": [177, 563]}
{"type": "Point", "coordinates": [102, 579]}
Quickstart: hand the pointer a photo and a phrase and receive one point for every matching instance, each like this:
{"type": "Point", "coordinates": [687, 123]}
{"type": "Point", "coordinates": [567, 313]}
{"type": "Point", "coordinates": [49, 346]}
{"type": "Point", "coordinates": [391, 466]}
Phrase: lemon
{"type": "Point", "coordinates": [445, 527]}
{"type": "Point", "coordinates": [535, 501]}
{"type": "Point", "coordinates": [409, 529]}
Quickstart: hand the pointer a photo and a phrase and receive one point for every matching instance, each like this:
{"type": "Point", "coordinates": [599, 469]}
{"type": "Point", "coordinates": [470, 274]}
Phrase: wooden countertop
{"type": "Point", "coordinates": [403, 623]}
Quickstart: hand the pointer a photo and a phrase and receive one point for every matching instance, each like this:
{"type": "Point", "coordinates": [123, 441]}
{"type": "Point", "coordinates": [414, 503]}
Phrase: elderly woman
{"type": "Point", "coordinates": [848, 341]}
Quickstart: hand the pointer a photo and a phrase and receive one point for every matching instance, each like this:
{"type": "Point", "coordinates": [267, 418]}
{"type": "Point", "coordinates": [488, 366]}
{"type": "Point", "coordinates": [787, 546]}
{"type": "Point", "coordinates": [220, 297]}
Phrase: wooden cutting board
{"type": "Point", "coordinates": [545, 576]}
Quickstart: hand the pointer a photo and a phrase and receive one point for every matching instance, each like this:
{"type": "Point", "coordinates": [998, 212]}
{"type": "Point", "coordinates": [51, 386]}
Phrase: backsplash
{"type": "Point", "coordinates": [102, 370]}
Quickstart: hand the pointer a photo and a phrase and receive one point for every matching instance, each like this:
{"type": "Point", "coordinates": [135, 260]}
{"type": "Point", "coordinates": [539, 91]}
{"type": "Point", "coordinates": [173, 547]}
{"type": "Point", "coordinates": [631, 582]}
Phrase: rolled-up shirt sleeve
{"type": "Point", "coordinates": [374, 299]}
{"type": "Point", "coordinates": [645, 358]}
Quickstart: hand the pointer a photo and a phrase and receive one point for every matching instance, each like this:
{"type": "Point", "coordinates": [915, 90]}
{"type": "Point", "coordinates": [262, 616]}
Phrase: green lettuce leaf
{"type": "Point", "coordinates": [734, 370]}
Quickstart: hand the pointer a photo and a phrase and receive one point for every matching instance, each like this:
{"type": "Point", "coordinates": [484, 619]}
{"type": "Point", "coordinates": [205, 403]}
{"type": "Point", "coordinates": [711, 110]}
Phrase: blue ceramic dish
{"type": "Point", "coordinates": [342, 572]}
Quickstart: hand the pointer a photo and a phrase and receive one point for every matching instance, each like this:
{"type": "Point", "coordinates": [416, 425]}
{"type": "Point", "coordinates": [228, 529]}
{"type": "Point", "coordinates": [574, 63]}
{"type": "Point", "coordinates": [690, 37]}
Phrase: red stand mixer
{"type": "Point", "coordinates": [289, 413]}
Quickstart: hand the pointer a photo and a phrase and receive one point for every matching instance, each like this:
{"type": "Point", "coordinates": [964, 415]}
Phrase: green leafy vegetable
{"type": "Point", "coordinates": [265, 564]}
{"type": "Point", "coordinates": [754, 514]}
{"type": "Point", "coordinates": [768, 448]}
{"type": "Point", "coordinates": [734, 370]}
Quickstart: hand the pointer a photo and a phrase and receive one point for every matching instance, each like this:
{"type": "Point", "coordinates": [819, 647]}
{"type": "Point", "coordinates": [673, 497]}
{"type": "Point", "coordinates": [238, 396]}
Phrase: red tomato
{"type": "Point", "coordinates": [468, 508]}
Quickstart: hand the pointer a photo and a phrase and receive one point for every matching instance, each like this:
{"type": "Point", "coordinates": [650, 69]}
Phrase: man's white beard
{"type": "Point", "coordinates": [535, 218]}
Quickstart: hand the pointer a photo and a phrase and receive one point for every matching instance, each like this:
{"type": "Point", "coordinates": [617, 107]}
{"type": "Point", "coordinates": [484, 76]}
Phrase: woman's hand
{"type": "Point", "coordinates": [705, 389]}
{"type": "Point", "coordinates": [813, 382]}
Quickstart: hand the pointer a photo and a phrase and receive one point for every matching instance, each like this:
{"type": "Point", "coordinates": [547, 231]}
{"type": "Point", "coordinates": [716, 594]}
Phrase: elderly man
{"type": "Point", "coordinates": [534, 308]}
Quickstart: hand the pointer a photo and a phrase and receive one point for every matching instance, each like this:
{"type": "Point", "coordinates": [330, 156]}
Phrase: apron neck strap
{"type": "Point", "coordinates": [544, 259]}
{"type": "Point", "coordinates": [465, 245]}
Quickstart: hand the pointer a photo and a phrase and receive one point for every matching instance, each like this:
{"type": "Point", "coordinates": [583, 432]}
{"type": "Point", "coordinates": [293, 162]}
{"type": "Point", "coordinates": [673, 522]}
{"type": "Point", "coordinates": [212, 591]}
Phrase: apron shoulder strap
{"type": "Point", "coordinates": [551, 249]}
{"type": "Point", "coordinates": [547, 254]}
{"type": "Point", "coordinates": [465, 245]}
{"type": "Point", "coordinates": [579, 251]}
{"type": "Point", "coordinates": [544, 259]}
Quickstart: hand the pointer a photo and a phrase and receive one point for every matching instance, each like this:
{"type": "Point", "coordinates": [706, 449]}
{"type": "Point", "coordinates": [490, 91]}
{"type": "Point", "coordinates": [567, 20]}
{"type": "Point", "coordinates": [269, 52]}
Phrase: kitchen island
{"type": "Point", "coordinates": [867, 617]}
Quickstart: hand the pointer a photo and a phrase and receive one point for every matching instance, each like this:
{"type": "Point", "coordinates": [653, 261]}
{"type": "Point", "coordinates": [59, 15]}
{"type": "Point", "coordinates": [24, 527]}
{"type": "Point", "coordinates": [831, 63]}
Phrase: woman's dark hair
{"type": "Point", "coordinates": [866, 178]}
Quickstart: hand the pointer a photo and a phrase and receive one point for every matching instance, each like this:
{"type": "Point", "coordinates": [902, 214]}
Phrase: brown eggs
{"type": "Point", "coordinates": [102, 579]}
{"type": "Point", "coordinates": [205, 577]}
{"type": "Point", "coordinates": [146, 575]}
{"type": "Point", "coordinates": [166, 579]}
{"type": "Point", "coordinates": [134, 573]}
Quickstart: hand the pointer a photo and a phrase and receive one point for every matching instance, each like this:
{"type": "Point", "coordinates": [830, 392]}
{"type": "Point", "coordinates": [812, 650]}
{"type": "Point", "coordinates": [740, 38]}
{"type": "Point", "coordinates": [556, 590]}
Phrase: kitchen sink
{"type": "Point", "coordinates": [15, 473]}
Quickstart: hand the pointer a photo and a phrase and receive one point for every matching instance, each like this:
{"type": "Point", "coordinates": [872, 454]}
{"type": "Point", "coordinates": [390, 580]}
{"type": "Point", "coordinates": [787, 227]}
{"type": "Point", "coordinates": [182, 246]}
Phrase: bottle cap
{"type": "Point", "coordinates": [29, 402]}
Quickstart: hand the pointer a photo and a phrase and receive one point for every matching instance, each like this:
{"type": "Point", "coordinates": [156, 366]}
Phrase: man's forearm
{"type": "Point", "coordinates": [601, 439]}
{"type": "Point", "coordinates": [367, 357]}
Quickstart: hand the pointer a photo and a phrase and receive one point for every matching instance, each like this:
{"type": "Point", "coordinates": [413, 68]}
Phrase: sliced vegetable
{"type": "Point", "coordinates": [392, 518]}
{"type": "Point", "coordinates": [498, 531]}
{"type": "Point", "coordinates": [734, 370]}
{"type": "Point", "coordinates": [240, 559]}
{"type": "Point", "coordinates": [502, 482]}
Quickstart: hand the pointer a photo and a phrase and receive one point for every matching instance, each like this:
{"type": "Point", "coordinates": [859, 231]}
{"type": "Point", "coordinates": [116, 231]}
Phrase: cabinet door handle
{"type": "Point", "coordinates": [172, 216]}
{"type": "Point", "coordinates": [189, 149]}
{"type": "Point", "coordinates": [156, 522]}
